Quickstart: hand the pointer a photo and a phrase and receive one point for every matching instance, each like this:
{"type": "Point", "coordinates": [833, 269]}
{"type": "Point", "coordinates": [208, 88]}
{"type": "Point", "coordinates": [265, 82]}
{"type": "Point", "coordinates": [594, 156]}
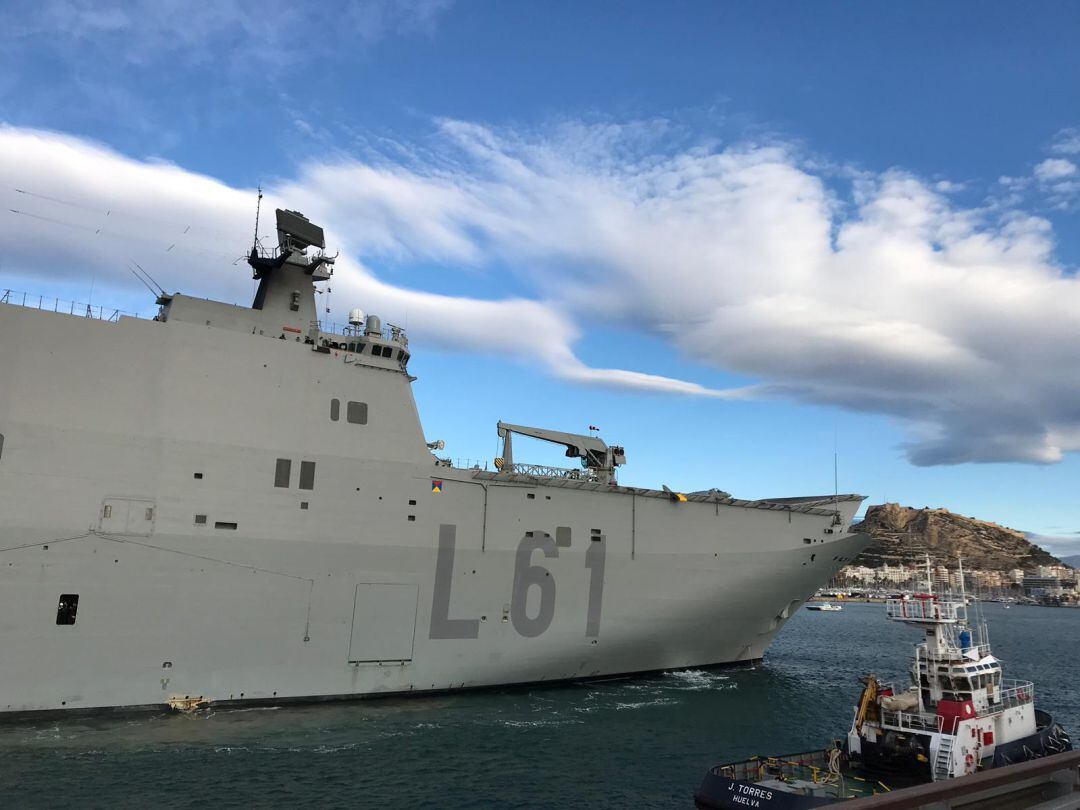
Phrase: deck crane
{"type": "Point", "coordinates": [596, 456]}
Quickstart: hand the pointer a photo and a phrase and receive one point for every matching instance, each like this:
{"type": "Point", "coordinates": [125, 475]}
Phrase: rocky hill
{"type": "Point", "coordinates": [905, 535]}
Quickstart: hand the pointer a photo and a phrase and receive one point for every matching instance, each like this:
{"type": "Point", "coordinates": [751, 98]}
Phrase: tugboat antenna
{"type": "Point", "coordinates": [963, 589]}
{"type": "Point", "coordinates": [258, 207]}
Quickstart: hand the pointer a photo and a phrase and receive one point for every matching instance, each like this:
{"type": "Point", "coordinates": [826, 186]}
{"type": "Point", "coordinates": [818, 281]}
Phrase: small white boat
{"type": "Point", "coordinates": [824, 606]}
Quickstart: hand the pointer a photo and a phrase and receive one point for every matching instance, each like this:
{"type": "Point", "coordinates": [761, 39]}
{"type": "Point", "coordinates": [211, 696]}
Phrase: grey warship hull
{"type": "Point", "coordinates": [198, 509]}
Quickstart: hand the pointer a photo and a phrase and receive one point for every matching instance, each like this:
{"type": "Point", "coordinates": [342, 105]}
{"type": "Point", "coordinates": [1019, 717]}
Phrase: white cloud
{"type": "Point", "coordinates": [1061, 546]}
{"type": "Point", "coordinates": [893, 300]}
{"type": "Point", "coordinates": [1067, 142]}
{"type": "Point", "coordinates": [74, 209]}
{"type": "Point", "coordinates": [1053, 169]}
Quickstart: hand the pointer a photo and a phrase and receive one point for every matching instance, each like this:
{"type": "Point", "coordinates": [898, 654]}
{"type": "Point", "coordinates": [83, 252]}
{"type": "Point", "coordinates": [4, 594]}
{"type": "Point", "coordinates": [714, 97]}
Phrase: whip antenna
{"type": "Point", "coordinates": [145, 283]}
{"type": "Point", "coordinates": [160, 290]}
{"type": "Point", "coordinates": [258, 208]}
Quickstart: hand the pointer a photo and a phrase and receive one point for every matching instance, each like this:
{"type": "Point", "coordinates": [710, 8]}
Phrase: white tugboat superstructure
{"type": "Point", "coordinates": [959, 707]}
{"type": "Point", "coordinates": [958, 716]}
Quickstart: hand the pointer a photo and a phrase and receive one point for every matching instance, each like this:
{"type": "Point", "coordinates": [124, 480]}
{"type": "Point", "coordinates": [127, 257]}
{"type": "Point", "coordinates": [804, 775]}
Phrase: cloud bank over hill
{"type": "Point", "coordinates": [886, 297]}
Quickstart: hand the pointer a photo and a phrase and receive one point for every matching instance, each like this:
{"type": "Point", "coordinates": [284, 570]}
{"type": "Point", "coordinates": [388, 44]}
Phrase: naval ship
{"type": "Point", "coordinates": [233, 505]}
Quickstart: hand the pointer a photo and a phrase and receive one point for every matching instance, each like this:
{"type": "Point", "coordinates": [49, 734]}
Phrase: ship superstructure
{"type": "Point", "coordinates": [959, 714]}
{"type": "Point", "coordinates": [229, 504]}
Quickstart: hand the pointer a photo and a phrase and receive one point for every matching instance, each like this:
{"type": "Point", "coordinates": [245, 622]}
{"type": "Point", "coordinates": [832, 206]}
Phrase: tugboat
{"type": "Point", "coordinates": [959, 716]}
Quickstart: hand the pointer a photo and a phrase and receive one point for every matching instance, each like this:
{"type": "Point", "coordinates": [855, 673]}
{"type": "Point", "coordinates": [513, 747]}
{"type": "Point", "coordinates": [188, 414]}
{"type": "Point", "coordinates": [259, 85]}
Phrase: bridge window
{"type": "Point", "coordinates": [335, 410]}
{"type": "Point", "coordinates": [357, 413]}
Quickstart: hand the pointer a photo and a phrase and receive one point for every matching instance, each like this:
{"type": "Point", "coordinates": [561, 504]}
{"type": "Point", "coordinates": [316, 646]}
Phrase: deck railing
{"type": "Point", "coordinates": [912, 721]}
{"type": "Point", "coordinates": [924, 609]}
{"type": "Point", "coordinates": [950, 651]}
{"type": "Point", "coordinates": [96, 311]}
{"type": "Point", "coordinates": [1015, 693]}
{"type": "Point", "coordinates": [391, 333]}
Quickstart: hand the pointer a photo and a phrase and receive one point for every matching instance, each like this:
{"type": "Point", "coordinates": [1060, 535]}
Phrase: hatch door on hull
{"type": "Point", "coordinates": [384, 622]}
{"type": "Point", "coordinates": [129, 516]}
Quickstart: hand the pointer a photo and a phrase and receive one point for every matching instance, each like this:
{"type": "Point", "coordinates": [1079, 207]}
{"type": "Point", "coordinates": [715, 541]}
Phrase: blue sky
{"type": "Point", "coordinates": [733, 235]}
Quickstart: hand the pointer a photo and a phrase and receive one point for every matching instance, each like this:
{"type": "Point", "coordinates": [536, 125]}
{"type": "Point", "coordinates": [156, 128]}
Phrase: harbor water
{"type": "Point", "coordinates": [642, 742]}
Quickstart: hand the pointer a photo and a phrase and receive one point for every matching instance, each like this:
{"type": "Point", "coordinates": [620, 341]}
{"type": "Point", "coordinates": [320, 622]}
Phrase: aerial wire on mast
{"type": "Point", "coordinates": [160, 290]}
{"type": "Point", "coordinates": [258, 209]}
{"type": "Point", "coordinates": [144, 282]}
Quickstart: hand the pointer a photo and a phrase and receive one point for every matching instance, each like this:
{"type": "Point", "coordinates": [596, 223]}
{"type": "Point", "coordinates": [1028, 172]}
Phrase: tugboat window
{"type": "Point", "coordinates": [67, 608]}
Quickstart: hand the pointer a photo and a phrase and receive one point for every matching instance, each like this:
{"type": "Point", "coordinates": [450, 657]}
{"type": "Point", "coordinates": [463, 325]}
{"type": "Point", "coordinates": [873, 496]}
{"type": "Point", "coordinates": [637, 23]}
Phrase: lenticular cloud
{"type": "Point", "coordinates": [877, 293]}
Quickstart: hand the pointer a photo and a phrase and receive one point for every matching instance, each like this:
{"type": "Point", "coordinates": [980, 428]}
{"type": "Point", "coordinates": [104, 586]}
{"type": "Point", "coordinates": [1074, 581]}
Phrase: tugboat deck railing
{"type": "Point", "coordinates": [928, 609]}
{"type": "Point", "coordinates": [1015, 693]}
{"type": "Point", "coordinates": [951, 652]}
{"type": "Point", "coordinates": [913, 721]}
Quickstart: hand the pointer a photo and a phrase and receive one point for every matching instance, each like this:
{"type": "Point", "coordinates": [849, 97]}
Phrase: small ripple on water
{"type": "Point", "coordinates": [641, 704]}
{"type": "Point", "coordinates": [539, 723]}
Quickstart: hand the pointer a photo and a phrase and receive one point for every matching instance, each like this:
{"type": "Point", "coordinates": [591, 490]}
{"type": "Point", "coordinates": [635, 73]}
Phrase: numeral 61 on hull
{"type": "Point", "coordinates": [527, 575]}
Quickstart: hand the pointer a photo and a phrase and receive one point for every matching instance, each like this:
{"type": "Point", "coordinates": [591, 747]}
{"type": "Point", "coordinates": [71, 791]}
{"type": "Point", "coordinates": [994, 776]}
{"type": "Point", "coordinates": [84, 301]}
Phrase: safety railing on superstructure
{"type": "Point", "coordinates": [1015, 693]}
{"type": "Point", "coordinates": [951, 649]}
{"type": "Point", "coordinates": [912, 721]}
{"type": "Point", "coordinates": [924, 609]}
{"type": "Point", "coordinates": [96, 311]}
{"type": "Point", "coordinates": [390, 332]}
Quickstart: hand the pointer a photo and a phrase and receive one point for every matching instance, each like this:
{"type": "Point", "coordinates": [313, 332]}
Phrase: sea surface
{"type": "Point", "coordinates": [636, 742]}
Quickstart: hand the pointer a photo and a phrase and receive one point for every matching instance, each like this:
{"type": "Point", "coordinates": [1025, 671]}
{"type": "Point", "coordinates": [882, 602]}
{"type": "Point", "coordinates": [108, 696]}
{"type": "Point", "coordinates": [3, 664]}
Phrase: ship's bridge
{"type": "Point", "coordinates": [366, 340]}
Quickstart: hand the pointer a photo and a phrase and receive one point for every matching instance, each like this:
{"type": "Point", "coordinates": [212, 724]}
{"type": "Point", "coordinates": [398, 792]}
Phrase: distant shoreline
{"type": "Point", "coordinates": [880, 600]}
